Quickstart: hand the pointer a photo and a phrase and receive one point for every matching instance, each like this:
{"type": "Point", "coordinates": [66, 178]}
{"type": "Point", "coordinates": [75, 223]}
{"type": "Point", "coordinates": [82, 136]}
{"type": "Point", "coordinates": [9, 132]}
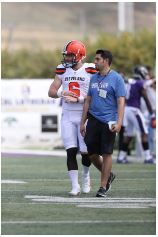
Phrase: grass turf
{"type": "Point", "coordinates": [45, 176]}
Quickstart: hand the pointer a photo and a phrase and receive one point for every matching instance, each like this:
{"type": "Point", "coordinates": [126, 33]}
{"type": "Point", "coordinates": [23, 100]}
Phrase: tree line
{"type": "Point", "coordinates": [128, 50]}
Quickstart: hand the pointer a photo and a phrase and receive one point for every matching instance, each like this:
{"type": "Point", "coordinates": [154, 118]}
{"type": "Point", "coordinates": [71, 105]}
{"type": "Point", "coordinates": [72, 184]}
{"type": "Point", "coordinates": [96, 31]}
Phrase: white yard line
{"type": "Point", "coordinates": [91, 202]}
{"type": "Point", "coordinates": [91, 199]}
{"type": "Point", "coordinates": [12, 182]}
{"type": "Point", "coordinates": [79, 222]}
{"type": "Point", "coordinates": [96, 202]}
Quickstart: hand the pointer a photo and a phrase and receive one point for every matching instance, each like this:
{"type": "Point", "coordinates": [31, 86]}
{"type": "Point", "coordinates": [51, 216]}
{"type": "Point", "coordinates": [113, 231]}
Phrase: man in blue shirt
{"type": "Point", "coordinates": [104, 108]}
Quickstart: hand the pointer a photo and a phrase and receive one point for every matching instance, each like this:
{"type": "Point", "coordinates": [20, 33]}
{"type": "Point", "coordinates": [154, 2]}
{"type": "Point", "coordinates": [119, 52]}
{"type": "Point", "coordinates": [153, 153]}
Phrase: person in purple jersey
{"type": "Point", "coordinates": [133, 117]}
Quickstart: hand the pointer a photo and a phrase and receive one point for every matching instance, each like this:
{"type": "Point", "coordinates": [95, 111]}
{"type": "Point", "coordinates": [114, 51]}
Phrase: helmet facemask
{"type": "Point", "coordinates": [69, 64]}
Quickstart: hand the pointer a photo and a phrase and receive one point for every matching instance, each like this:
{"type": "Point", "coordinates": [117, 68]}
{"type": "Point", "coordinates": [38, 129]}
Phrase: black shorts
{"type": "Point", "coordinates": [98, 138]}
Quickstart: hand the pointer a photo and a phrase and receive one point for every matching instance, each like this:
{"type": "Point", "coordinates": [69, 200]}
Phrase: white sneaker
{"type": "Point", "coordinates": [75, 191]}
{"type": "Point", "coordinates": [86, 187]}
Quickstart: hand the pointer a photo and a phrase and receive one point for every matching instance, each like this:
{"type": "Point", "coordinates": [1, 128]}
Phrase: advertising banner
{"type": "Point", "coordinates": [29, 116]}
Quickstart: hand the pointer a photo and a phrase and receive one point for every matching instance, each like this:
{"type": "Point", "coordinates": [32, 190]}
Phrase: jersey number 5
{"type": "Point", "coordinates": [74, 87]}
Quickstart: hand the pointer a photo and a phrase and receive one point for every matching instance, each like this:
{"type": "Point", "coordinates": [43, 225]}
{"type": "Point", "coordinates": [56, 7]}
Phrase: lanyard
{"type": "Point", "coordinates": [102, 78]}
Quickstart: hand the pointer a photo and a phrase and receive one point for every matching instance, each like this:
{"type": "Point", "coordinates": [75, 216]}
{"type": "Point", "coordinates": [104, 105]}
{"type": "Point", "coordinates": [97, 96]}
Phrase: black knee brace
{"type": "Point", "coordinates": [85, 160]}
{"type": "Point", "coordinates": [71, 158]}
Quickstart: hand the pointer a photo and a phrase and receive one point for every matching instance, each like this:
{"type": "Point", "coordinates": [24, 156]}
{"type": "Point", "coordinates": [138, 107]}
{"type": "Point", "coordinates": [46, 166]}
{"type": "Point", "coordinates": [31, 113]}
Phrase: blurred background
{"type": "Point", "coordinates": [33, 34]}
{"type": "Point", "coordinates": [49, 25]}
{"type": "Point", "coordinates": [32, 37]}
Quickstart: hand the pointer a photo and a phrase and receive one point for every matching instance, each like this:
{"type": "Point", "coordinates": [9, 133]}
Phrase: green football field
{"type": "Point", "coordinates": [35, 200]}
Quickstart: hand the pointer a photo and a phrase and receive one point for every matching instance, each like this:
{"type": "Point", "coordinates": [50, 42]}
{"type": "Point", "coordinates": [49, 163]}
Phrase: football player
{"type": "Point", "coordinates": [150, 86]}
{"type": "Point", "coordinates": [74, 77]}
{"type": "Point", "coordinates": [133, 117]}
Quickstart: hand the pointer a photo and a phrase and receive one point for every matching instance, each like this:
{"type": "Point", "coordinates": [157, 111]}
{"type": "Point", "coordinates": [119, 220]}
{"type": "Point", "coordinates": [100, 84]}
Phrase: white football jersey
{"type": "Point", "coordinates": [75, 81]}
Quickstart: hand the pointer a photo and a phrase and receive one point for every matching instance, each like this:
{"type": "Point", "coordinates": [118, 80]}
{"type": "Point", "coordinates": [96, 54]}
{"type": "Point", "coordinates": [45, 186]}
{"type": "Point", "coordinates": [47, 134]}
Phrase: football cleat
{"type": "Point", "coordinates": [151, 161]}
{"type": "Point", "coordinates": [123, 161]}
{"type": "Point", "coordinates": [75, 191]}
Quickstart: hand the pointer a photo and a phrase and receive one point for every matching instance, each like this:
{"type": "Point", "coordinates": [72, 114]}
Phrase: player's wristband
{"type": "Point", "coordinates": [59, 93]}
{"type": "Point", "coordinates": [80, 99]}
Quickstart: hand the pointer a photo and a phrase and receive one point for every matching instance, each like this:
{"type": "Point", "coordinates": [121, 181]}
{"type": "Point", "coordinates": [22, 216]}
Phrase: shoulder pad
{"type": "Point", "coordinates": [60, 69]}
{"type": "Point", "coordinates": [90, 68]}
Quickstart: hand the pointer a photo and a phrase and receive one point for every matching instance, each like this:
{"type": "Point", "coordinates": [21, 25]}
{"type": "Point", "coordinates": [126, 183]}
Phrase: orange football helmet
{"type": "Point", "coordinates": [76, 49]}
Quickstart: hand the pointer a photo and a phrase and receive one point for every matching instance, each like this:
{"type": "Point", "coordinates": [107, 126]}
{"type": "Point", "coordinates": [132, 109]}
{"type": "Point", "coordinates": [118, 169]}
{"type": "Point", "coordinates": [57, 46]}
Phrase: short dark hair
{"type": "Point", "coordinates": [106, 54]}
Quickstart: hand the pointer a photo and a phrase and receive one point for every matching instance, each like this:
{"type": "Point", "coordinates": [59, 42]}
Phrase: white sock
{"type": "Point", "coordinates": [122, 155]}
{"type": "Point", "coordinates": [147, 155]}
{"type": "Point", "coordinates": [85, 171]}
{"type": "Point", "coordinates": [73, 174]}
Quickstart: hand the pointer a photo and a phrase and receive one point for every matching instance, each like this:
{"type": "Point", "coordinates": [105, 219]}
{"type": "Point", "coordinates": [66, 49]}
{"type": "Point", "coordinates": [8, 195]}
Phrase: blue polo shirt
{"type": "Point", "coordinates": [104, 91]}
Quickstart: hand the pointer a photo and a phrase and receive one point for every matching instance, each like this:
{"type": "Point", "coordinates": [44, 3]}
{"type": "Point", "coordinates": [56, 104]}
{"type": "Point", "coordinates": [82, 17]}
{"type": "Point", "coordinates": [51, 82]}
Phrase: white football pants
{"type": "Point", "coordinates": [70, 130]}
{"type": "Point", "coordinates": [134, 121]}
